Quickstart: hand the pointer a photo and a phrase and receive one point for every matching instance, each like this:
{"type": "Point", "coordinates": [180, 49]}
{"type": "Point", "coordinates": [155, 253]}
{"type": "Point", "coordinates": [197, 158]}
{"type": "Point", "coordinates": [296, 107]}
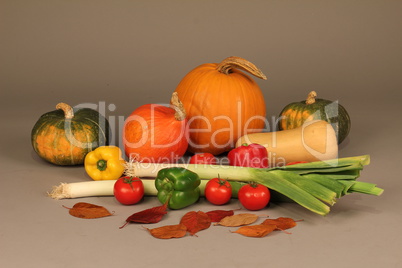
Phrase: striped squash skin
{"type": "Point", "coordinates": [66, 142]}
{"type": "Point", "coordinates": [295, 114]}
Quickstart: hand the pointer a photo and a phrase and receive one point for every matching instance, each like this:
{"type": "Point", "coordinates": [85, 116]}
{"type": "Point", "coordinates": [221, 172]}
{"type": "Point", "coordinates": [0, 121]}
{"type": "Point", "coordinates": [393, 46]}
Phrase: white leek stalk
{"type": "Point", "coordinates": [100, 188]}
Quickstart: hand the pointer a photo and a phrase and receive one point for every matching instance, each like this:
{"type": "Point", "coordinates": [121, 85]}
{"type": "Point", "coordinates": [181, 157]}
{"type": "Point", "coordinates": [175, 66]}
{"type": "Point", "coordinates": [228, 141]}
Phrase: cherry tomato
{"type": "Point", "coordinates": [254, 196]}
{"type": "Point", "coordinates": [296, 162]}
{"type": "Point", "coordinates": [128, 190]}
{"type": "Point", "coordinates": [203, 158]}
{"type": "Point", "coordinates": [218, 191]}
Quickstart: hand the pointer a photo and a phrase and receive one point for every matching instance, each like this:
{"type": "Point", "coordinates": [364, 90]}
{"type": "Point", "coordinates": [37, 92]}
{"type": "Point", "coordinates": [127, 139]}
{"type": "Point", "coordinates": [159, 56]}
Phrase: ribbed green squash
{"type": "Point", "coordinates": [64, 136]}
{"type": "Point", "coordinates": [296, 113]}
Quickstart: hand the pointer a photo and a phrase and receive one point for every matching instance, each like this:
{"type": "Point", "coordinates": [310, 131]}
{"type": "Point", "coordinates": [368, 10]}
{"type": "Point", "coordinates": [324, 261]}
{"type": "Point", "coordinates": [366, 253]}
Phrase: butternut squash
{"type": "Point", "coordinates": [313, 141]}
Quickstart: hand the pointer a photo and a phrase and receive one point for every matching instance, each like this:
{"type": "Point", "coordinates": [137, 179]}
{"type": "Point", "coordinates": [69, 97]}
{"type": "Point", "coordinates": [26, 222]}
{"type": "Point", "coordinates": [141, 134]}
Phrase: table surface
{"type": "Point", "coordinates": [120, 55]}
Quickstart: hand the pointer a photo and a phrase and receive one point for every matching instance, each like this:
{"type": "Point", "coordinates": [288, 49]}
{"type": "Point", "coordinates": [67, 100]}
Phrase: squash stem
{"type": "Point", "coordinates": [177, 105]}
{"type": "Point", "coordinates": [233, 62]}
{"type": "Point", "coordinates": [311, 97]}
{"type": "Point", "coordinates": [67, 109]}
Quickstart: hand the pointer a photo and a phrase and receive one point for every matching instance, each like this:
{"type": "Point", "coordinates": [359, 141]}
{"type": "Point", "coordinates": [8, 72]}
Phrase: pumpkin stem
{"type": "Point", "coordinates": [67, 109]}
{"type": "Point", "coordinates": [311, 97]}
{"type": "Point", "coordinates": [229, 63]}
{"type": "Point", "coordinates": [177, 105]}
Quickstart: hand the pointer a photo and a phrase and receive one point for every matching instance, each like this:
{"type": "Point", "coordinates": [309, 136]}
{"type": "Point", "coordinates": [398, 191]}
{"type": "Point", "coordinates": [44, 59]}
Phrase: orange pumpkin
{"type": "Point", "coordinates": [222, 104]}
{"type": "Point", "coordinates": [155, 133]}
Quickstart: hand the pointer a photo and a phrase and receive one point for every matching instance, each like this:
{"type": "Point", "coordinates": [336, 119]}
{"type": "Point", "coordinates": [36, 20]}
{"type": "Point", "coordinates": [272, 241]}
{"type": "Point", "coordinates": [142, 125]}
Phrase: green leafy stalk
{"type": "Point", "coordinates": [328, 182]}
{"type": "Point", "coordinates": [365, 188]}
{"type": "Point", "coordinates": [316, 189]}
{"type": "Point", "coordinates": [299, 191]}
{"type": "Point", "coordinates": [312, 185]}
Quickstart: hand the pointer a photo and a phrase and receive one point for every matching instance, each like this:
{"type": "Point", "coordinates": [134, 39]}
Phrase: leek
{"type": "Point", "coordinates": [315, 186]}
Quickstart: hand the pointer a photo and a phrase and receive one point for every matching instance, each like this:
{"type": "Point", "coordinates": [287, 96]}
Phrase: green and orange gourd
{"type": "Point", "coordinates": [295, 114]}
{"type": "Point", "coordinates": [64, 136]}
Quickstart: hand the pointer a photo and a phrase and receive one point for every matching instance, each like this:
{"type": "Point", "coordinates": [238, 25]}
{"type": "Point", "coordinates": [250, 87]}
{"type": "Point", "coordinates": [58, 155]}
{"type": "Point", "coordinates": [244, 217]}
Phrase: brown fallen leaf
{"type": "Point", "coordinates": [150, 215]}
{"type": "Point", "coordinates": [218, 215]}
{"type": "Point", "coordinates": [88, 211]}
{"type": "Point", "coordinates": [168, 231]}
{"type": "Point", "coordinates": [238, 220]}
{"type": "Point", "coordinates": [259, 230]}
{"type": "Point", "coordinates": [195, 221]}
{"type": "Point", "coordinates": [282, 223]}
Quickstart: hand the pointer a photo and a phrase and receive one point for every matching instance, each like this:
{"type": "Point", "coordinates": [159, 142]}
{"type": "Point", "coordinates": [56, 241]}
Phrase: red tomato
{"type": "Point", "coordinates": [218, 191]}
{"type": "Point", "coordinates": [203, 158]}
{"type": "Point", "coordinates": [254, 196]}
{"type": "Point", "coordinates": [296, 162]}
{"type": "Point", "coordinates": [128, 190]}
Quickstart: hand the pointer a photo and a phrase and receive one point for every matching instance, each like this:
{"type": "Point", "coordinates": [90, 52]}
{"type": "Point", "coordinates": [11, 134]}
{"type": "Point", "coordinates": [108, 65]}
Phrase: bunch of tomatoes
{"type": "Point", "coordinates": [218, 191]}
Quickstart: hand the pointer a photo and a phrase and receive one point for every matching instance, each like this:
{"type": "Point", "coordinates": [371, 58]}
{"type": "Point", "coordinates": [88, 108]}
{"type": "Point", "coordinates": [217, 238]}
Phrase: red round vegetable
{"type": "Point", "coordinates": [254, 196]}
{"type": "Point", "coordinates": [128, 190]}
{"type": "Point", "coordinates": [218, 191]}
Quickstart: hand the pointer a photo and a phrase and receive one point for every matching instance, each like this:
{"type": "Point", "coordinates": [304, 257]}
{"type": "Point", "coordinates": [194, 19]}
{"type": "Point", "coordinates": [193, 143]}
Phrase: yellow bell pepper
{"type": "Point", "coordinates": [104, 163]}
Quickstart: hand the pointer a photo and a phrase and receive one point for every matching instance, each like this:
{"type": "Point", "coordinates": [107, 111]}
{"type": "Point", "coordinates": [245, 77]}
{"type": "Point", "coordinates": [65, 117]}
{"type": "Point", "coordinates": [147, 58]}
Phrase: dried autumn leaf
{"type": "Point", "coordinates": [150, 215]}
{"type": "Point", "coordinates": [169, 231]}
{"type": "Point", "coordinates": [238, 220]}
{"type": "Point", "coordinates": [218, 215]}
{"type": "Point", "coordinates": [282, 223]}
{"type": "Point", "coordinates": [195, 221]}
{"type": "Point", "coordinates": [259, 230]}
{"type": "Point", "coordinates": [88, 211]}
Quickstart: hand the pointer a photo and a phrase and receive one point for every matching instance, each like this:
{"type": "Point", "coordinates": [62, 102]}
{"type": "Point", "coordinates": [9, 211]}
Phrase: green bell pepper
{"type": "Point", "coordinates": [177, 186]}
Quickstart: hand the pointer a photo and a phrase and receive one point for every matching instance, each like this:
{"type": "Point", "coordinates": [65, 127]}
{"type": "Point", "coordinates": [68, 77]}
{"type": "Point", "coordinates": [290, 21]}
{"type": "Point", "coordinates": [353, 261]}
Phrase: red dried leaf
{"type": "Point", "coordinates": [195, 221]}
{"type": "Point", "coordinates": [88, 211]}
{"type": "Point", "coordinates": [151, 215]}
{"type": "Point", "coordinates": [259, 230]}
{"type": "Point", "coordinates": [218, 215]}
{"type": "Point", "coordinates": [169, 231]}
{"type": "Point", "coordinates": [281, 223]}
